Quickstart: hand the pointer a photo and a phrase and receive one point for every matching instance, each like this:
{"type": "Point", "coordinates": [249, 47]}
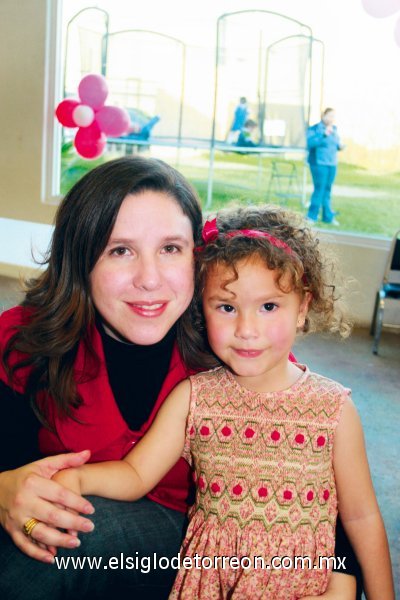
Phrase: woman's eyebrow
{"type": "Point", "coordinates": [178, 238]}
{"type": "Point", "coordinates": [164, 240]}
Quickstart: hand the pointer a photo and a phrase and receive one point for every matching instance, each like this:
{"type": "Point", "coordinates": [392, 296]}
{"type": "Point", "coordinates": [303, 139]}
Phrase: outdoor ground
{"type": "Point", "coordinates": [367, 202]}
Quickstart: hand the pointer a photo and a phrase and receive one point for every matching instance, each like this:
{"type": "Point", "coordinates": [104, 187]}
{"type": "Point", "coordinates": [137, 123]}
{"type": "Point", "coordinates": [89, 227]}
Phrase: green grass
{"type": "Point", "coordinates": [367, 202]}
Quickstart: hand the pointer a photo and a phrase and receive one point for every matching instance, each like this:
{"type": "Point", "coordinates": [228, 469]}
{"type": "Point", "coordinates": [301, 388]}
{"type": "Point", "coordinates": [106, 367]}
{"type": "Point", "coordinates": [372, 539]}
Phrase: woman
{"type": "Point", "coordinates": [98, 295]}
{"type": "Point", "coordinates": [323, 143]}
{"type": "Point", "coordinates": [95, 354]}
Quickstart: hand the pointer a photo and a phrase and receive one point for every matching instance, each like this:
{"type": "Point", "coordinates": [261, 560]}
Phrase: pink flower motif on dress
{"type": "Point", "coordinates": [237, 489]}
{"type": "Point", "coordinates": [201, 483]}
{"type": "Point", "coordinates": [262, 492]}
{"type": "Point", "coordinates": [249, 433]}
{"type": "Point", "coordinates": [307, 495]}
{"type": "Point", "coordinates": [216, 487]}
{"type": "Point", "coordinates": [275, 435]}
{"type": "Point", "coordinates": [286, 494]}
{"type": "Point", "coordinates": [226, 432]}
{"type": "Point", "coordinates": [204, 431]}
{"type": "Point", "coordinates": [319, 441]}
{"type": "Point", "coordinates": [324, 493]}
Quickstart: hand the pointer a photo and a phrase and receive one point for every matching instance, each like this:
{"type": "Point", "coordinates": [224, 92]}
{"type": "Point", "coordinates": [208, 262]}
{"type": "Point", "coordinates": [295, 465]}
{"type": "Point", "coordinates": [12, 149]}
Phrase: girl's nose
{"type": "Point", "coordinates": [246, 327]}
{"type": "Point", "coordinates": [147, 274]}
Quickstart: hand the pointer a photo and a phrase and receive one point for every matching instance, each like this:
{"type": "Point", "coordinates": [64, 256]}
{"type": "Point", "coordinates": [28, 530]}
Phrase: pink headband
{"type": "Point", "coordinates": [210, 233]}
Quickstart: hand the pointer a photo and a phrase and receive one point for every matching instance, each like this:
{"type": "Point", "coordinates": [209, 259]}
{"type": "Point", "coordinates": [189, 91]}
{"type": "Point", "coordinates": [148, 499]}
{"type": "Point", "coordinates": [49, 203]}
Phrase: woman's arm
{"type": "Point", "coordinates": [146, 463]}
{"type": "Point", "coordinates": [28, 492]}
{"type": "Point", "coordinates": [358, 506]}
{"type": "Point", "coordinates": [316, 136]}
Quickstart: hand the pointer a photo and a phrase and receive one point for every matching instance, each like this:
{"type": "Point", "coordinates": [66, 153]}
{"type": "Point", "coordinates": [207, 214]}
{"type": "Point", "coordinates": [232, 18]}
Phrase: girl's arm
{"type": "Point", "coordinates": [340, 586]}
{"type": "Point", "coordinates": [153, 456]}
{"type": "Point", "coordinates": [358, 506]}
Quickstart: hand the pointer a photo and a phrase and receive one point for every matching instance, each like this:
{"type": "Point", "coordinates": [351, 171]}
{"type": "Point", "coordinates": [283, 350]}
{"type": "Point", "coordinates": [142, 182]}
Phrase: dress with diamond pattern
{"type": "Point", "coordinates": [265, 486]}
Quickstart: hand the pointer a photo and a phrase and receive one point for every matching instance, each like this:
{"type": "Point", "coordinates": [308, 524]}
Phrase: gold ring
{"type": "Point", "coordinates": [29, 526]}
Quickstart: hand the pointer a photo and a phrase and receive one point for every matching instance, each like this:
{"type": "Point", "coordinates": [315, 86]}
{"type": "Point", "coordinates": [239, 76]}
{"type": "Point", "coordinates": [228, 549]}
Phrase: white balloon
{"type": "Point", "coordinates": [83, 115]}
{"type": "Point", "coordinates": [397, 32]}
{"type": "Point", "coordinates": [381, 8]}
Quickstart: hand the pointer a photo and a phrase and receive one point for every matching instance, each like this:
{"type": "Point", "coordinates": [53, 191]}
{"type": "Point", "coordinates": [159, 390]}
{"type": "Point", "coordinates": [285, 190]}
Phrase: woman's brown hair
{"type": "Point", "coordinates": [59, 302]}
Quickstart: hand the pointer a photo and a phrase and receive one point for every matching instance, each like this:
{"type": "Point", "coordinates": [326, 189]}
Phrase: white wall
{"type": "Point", "coordinates": [22, 77]}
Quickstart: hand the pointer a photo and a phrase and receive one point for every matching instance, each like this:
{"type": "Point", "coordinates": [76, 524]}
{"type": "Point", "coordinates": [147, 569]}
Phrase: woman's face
{"type": "Point", "coordinates": [143, 280]}
{"type": "Point", "coordinates": [329, 118]}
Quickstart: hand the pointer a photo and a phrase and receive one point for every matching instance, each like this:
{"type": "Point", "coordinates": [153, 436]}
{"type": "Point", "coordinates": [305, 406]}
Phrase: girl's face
{"type": "Point", "coordinates": [143, 281]}
{"type": "Point", "coordinates": [251, 324]}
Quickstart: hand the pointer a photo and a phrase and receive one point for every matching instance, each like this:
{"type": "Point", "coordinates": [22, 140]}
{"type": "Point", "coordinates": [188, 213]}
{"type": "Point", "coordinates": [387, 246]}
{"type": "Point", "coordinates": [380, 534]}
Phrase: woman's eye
{"type": "Point", "coordinates": [269, 306]}
{"type": "Point", "coordinates": [119, 251]}
{"type": "Point", "coordinates": [228, 308]}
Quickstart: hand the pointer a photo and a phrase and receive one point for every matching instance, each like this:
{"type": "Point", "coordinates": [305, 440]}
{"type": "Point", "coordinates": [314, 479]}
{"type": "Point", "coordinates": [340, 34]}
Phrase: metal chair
{"type": "Point", "coordinates": [390, 288]}
{"type": "Point", "coordinates": [284, 182]}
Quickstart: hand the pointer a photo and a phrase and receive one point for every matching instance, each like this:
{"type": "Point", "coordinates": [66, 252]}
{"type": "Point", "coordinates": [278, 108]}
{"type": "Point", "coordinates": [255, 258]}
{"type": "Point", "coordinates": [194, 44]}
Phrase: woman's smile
{"type": "Point", "coordinates": [143, 281]}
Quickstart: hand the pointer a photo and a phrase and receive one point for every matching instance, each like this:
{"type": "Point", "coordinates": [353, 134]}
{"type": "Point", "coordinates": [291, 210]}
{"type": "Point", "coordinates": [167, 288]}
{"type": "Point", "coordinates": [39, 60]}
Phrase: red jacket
{"type": "Point", "coordinates": [101, 427]}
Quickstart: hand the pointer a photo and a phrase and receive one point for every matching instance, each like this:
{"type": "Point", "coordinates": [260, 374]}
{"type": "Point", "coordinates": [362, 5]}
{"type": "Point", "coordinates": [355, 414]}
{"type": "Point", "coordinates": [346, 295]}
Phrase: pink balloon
{"type": "Point", "coordinates": [381, 8]}
{"type": "Point", "coordinates": [93, 90]}
{"type": "Point", "coordinates": [90, 141]}
{"type": "Point", "coordinates": [113, 120]}
{"type": "Point", "coordinates": [64, 112]}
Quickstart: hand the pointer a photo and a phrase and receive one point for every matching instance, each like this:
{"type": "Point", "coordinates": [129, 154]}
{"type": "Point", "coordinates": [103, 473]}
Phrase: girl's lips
{"type": "Point", "coordinates": [248, 353]}
{"type": "Point", "coordinates": [148, 309]}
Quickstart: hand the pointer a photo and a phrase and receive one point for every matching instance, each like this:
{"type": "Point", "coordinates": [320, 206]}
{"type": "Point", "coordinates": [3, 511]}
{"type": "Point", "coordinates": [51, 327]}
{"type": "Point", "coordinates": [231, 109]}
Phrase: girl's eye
{"type": "Point", "coordinates": [227, 308]}
{"type": "Point", "coordinates": [269, 306]}
{"type": "Point", "coordinates": [119, 251]}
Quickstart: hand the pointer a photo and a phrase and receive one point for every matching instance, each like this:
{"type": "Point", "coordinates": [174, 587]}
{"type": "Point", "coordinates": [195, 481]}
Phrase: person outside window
{"type": "Point", "coordinates": [323, 143]}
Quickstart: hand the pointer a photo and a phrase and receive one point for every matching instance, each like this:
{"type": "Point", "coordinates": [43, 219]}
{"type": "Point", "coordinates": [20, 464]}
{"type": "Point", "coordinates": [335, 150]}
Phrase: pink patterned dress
{"type": "Point", "coordinates": [265, 488]}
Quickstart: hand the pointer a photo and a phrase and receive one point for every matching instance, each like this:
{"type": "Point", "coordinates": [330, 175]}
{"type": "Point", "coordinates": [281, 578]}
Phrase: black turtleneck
{"type": "Point", "coordinates": [136, 374]}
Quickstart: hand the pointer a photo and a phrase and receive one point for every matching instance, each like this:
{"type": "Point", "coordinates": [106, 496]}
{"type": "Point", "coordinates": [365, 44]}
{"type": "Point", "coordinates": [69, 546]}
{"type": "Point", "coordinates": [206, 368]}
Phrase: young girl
{"type": "Point", "coordinates": [275, 448]}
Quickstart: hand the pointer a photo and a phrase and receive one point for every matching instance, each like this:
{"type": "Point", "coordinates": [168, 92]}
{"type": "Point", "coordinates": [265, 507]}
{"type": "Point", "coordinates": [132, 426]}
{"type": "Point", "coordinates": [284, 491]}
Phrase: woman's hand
{"type": "Point", "coordinates": [28, 492]}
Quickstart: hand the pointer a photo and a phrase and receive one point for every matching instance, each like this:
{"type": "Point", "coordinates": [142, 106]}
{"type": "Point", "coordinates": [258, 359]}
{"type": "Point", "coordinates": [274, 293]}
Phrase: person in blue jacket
{"type": "Point", "coordinates": [239, 119]}
{"type": "Point", "coordinates": [323, 144]}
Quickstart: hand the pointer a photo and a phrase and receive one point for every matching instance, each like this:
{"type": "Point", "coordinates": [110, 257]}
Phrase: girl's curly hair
{"type": "Point", "coordinates": [310, 268]}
